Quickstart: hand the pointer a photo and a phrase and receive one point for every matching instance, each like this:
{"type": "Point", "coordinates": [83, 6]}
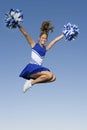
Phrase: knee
{"type": "Point", "coordinates": [53, 78]}
{"type": "Point", "coordinates": [49, 75]}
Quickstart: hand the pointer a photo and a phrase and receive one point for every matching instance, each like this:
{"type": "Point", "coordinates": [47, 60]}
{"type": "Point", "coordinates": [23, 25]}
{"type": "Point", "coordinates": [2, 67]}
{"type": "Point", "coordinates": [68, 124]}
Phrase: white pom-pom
{"type": "Point", "coordinates": [13, 18]}
{"type": "Point", "coordinates": [70, 31]}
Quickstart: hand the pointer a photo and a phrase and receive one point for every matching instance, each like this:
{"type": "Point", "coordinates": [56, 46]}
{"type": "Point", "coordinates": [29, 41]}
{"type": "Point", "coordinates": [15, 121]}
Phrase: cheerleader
{"type": "Point", "coordinates": [34, 72]}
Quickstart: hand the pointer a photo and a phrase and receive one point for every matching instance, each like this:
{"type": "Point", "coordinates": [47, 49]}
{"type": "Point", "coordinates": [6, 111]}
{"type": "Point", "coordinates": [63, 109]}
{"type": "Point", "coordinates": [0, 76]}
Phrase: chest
{"type": "Point", "coordinates": [40, 50]}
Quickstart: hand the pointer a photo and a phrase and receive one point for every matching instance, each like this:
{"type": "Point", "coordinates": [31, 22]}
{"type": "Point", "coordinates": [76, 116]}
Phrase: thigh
{"type": "Point", "coordinates": [39, 74]}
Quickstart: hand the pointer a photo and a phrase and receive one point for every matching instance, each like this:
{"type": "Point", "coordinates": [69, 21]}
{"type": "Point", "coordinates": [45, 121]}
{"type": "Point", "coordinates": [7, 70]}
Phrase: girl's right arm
{"type": "Point", "coordinates": [28, 38]}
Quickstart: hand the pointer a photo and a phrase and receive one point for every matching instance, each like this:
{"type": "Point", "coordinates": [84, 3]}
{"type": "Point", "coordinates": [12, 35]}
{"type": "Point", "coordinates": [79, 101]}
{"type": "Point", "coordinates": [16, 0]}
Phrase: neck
{"type": "Point", "coordinates": [41, 45]}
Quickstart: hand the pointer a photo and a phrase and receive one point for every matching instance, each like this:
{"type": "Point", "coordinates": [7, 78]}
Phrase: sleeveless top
{"type": "Point", "coordinates": [38, 54]}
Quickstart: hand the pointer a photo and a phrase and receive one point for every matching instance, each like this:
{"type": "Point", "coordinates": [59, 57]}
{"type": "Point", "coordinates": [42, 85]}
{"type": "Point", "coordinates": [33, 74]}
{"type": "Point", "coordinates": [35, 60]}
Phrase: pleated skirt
{"type": "Point", "coordinates": [32, 69]}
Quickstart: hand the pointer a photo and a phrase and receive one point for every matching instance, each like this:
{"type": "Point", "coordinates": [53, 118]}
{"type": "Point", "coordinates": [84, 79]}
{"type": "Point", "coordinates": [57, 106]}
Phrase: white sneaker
{"type": "Point", "coordinates": [27, 85]}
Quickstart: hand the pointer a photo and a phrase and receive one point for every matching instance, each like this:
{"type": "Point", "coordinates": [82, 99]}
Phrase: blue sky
{"type": "Point", "coordinates": [61, 105]}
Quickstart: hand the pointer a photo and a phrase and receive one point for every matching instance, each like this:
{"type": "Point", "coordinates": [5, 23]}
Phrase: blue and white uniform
{"type": "Point", "coordinates": [38, 54]}
{"type": "Point", "coordinates": [35, 65]}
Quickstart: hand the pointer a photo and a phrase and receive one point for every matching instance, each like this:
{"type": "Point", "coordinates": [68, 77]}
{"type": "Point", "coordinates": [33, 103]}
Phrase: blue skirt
{"type": "Point", "coordinates": [32, 69]}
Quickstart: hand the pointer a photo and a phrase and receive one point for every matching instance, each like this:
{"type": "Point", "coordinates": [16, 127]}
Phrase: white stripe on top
{"type": "Point", "coordinates": [36, 58]}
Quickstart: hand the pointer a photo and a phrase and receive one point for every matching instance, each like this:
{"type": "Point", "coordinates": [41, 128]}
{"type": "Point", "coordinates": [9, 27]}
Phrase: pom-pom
{"type": "Point", "coordinates": [70, 31]}
{"type": "Point", "coordinates": [13, 18]}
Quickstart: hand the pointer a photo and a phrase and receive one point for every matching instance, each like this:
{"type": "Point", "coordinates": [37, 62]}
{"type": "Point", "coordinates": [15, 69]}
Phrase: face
{"type": "Point", "coordinates": [42, 39]}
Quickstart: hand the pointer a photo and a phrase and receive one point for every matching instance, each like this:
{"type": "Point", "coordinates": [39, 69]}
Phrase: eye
{"type": "Point", "coordinates": [44, 38]}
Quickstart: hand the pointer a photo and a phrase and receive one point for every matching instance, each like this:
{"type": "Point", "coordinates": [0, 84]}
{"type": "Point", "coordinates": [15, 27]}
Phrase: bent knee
{"type": "Point", "coordinates": [54, 77]}
{"type": "Point", "coordinates": [49, 75]}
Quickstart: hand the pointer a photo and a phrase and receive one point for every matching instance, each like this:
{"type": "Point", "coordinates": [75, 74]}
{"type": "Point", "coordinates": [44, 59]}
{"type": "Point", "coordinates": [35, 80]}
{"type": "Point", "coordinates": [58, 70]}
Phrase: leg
{"type": "Point", "coordinates": [53, 78]}
{"type": "Point", "coordinates": [43, 77]}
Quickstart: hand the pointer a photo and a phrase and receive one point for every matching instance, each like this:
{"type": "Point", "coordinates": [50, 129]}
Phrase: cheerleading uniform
{"type": "Point", "coordinates": [35, 65]}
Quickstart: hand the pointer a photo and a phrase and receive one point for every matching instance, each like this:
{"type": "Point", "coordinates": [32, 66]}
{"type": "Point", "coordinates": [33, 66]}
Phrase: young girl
{"type": "Point", "coordinates": [34, 72]}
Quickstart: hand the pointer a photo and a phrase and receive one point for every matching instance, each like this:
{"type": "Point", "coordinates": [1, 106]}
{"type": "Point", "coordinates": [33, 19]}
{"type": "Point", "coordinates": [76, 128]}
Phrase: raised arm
{"type": "Point", "coordinates": [54, 41]}
{"type": "Point", "coordinates": [28, 38]}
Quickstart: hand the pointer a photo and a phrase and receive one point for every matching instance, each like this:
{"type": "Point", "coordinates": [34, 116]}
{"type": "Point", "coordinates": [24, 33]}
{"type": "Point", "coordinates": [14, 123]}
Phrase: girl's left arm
{"type": "Point", "coordinates": [54, 41]}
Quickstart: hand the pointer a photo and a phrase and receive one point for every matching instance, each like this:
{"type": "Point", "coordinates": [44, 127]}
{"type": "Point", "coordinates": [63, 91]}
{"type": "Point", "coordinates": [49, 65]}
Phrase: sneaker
{"type": "Point", "coordinates": [27, 85]}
